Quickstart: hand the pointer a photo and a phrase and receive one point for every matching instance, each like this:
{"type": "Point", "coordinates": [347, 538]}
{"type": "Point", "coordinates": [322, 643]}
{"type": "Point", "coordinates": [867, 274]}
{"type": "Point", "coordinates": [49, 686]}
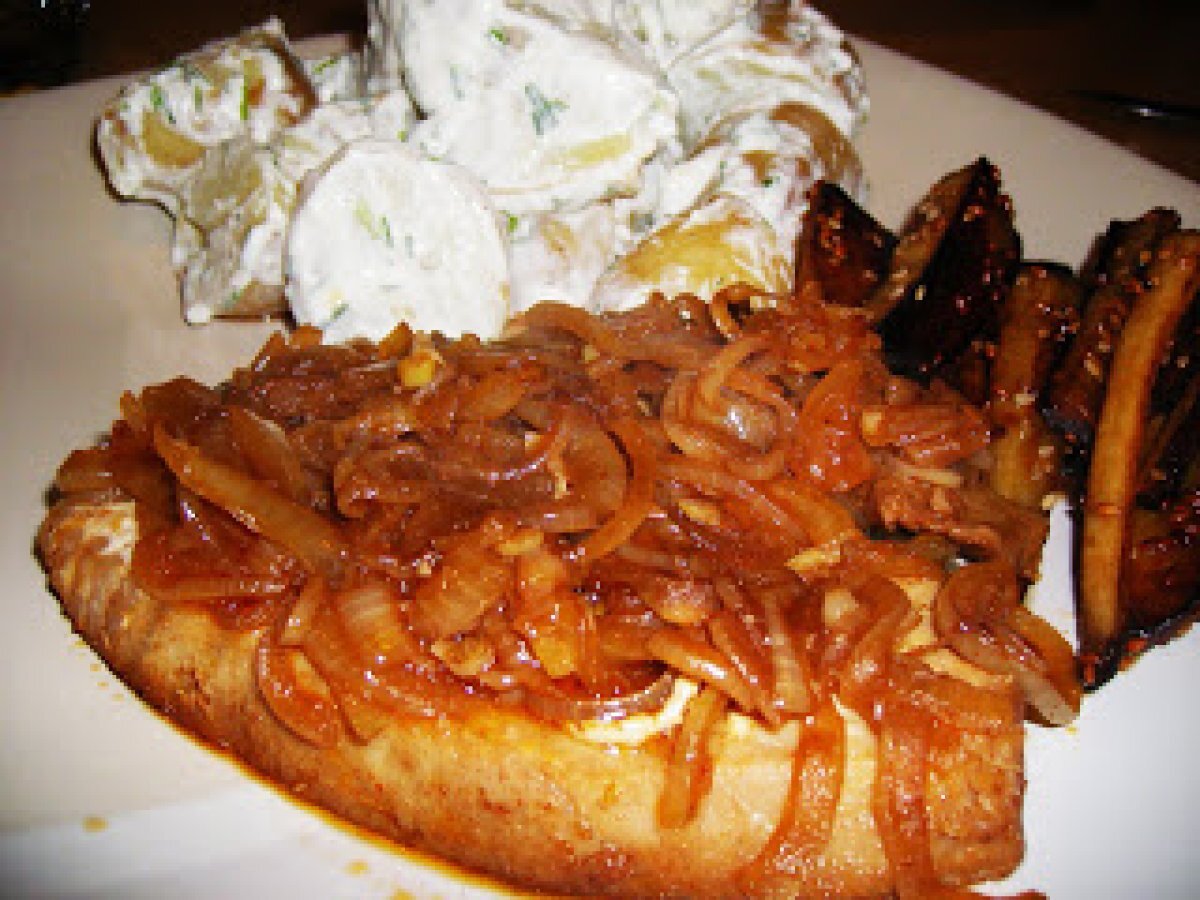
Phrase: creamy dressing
{"type": "Point", "coordinates": [771, 163]}
{"type": "Point", "coordinates": [614, 147]}
{"type": "Point", "coordinates": [560, 256]}
{"type": "Point", "coordinates": [153, 135]}
{"type": "Point", "coordinates": [238, 206]}
{"type": "Point", "coordinates": [715, 244]}
{"type": "Point", "coordinates": [668, 29]}
{"type": "Point", "coordinates": [385, 235]}
{"type": "Point", "coordinates": [549, 119]}
{"type": "Point", "coordinates": [337, 76]}
{"type": "Point", "coordinates": [740, 69]}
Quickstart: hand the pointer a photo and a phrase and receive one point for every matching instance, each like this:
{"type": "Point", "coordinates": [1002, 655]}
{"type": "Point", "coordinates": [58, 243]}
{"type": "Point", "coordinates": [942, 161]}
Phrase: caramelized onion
{"type": "Point", "coordinates": [299, 620]}
{"type": "Point", "coordinates": [717, 372]}
{"type": "Point", "coordinates": [693, 440]}
{"type": "Point", "coordinates": [806, 823]}
{"type": "Point", "coordinates": [871, 659]}
{"type": "Point", "coordinates": [745, 429]}
{"type": "Point", "coordinates": [592, 464]}
{"type": "Point", "coordinates": [200, 588]}
{"type": "Point", "coordinates": [561, 518]}
{"type": "Point", "coordinates": [567, 521]}
{"type": "Point", "coordinates": [497, 393]}
{"type": "Point", "coordinates": [782, 526]}
{"type": "Point", "coordinates": [562, 708]}
{"type": "Point", "coordinates": [679, 601]}
{"type": "Point", "coordinates": [689, 769]}
{"type": "Point", "coordinates": [468, 581]}
{"type": "Point", "coordinates": [306, 533]}
{"type": "Point", "coordinates": [368, 698]}
{"type": "Point", "coordinates": [978, 613]}
{"type": "Point", "coordinates": [638, 499]}
{"type": "Point", "coordinates": [826, 521]}
{"type": "Point", "coordinates": [594, 332]}
{"type": "Point", "coordinates": [295, 695]}
{"type": "Point", "coordinates": [270, 454]}
{"type": "Point", "coordinates": [954, 702]}
{"type": "Point", "coordinates": [899, 803]}
{"type": "Point", "coordinates": [371, 616]}
{"type": "Point", "coordinates": [721, 312]}
{"type": "Point", "coordinates": [696, 659]}
{"type": "Point", "coordinates": [548, 612]}
{"type": "Point", "coordinates": [792, 693]}
{"type": "Point", "coordinates": [830, 448]}
{"type": "Point", "coordinates": [731, 637]}
{"type": "Point", "coordinates": [771, 463]}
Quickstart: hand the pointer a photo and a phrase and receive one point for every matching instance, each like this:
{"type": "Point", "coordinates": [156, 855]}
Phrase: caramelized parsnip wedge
{"type": "Point", "coordinates": [841, 247]}
{"type": "Point", "coordinates": [1077, 387]}
{"type": "Point", "coordinates": [1168, 466]}
{"type": "Point", "coordinates": [919, 240]}
{"type": "Point", "coordinates": [1040, 311]}
{"type": "Point", "coordinates": [937, 310]}
{"type": "Point", "coordinates": [1174, 278]}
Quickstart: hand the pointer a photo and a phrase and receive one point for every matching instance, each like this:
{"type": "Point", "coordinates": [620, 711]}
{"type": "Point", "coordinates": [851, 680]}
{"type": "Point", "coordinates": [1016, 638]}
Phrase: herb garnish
{"type": "Point", "coordinates": [378, 227]}
{"type": "Point", "coordinates": [543, 110]}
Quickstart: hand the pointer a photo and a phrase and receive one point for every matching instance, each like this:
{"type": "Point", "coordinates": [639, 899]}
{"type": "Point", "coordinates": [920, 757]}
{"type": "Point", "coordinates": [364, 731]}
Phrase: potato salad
{"type": "Point", "coordinates": [479, 156]}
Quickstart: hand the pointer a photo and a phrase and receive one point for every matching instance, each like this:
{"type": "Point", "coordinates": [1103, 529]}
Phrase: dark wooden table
{"type": "Point", "coordinates": [1059, 55]}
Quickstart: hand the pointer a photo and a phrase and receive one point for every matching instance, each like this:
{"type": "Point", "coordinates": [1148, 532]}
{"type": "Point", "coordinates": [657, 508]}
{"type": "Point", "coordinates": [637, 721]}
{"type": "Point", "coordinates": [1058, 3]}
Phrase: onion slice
{"type": "Point", "coordinates": [561, 708]}
{"type": "Point", "coordinates": [689, 770]}
{"type": "Point", "coordinates": [977, 613]}
{"type": "Point", "coordinates": [299, 528]}
{"type": "Point", "coordinates": [639, 494]}
{"type": "Point", "coordinates": [292, 691]}
{"type": "Point", "coordinates": [793, 695]}
{"type": "Point", "coordinates": [696, 659]}
{"type": "Point", "coordinates": [900, 805]}
{"type": "Point", "coordinates": [299, 620]}
{"type": "Point", "coordinates": [269, 453]}
{"type": "Point", "coordinates": [806, 823]}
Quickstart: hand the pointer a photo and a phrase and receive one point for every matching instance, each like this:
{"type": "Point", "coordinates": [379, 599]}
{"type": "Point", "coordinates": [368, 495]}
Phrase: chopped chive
{"type": "Point", "coordinates": [456, 82]}
{"type": "Point", "coordinates": [327, 63]}
{"type": "Point", "coordinates": [158, 100]}
{"type": "Point", "coordinates": [543, 111]}
{"type": "Point", "coordinates": [378, 227]}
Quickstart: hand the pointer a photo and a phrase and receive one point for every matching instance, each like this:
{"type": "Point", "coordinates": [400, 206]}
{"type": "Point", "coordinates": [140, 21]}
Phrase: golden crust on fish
{"type": "Point", "coordinates": [530, 801]}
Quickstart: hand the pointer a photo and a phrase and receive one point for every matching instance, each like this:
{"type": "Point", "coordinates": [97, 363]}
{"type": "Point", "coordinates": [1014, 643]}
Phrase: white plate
{"type": "Point", "coordinates": [101, 798]}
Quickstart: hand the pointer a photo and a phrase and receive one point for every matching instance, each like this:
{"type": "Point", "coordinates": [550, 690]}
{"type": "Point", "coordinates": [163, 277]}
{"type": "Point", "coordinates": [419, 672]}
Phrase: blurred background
{"type": "Point", "coordinates": [1127, 70]}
